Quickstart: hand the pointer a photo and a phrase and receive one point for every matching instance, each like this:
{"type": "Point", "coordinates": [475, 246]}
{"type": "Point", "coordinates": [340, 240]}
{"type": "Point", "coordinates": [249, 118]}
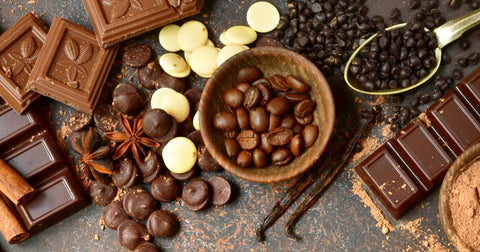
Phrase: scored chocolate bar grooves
{"type": "Point", "coordinates": [413, 163]}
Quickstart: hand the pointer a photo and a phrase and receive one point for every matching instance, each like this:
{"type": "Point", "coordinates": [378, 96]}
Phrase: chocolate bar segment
{"type": "Point", "coordinates": [14, 126]}
{"type": "Point", "coordinates": [19, 48]}
{"type": "Point", "coordinates": [425, 148]}
{"type": "Point", "coordinates": [71, 67]}
{"type": "Point", "coordinates": [118, 20]}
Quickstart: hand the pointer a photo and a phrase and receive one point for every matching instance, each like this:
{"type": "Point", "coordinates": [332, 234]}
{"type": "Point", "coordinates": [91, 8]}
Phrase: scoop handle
{"type": "Point", "coordinates": [454, 28]}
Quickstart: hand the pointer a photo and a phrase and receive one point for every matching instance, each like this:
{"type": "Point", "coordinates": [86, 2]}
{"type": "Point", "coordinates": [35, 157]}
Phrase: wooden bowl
{"type": "Point", "coordinates": [460, 165]}
{"type": "Point", "coordinates": [270, 61]}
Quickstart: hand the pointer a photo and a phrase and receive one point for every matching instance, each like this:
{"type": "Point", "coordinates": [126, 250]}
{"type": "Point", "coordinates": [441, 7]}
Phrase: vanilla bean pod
{"type": "Point", "coordinates": [326, 176]}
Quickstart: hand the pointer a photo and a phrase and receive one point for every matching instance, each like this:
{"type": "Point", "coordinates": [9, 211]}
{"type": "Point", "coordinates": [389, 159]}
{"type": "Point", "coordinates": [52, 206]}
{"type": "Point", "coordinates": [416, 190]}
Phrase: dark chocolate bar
{"type": "Point", "coordinates": [118, 20]}
{"type": "Point", "coordinates": [413, 163]}
{"type": "Point", "coordinates": [29, 147]}
{"type": "Point", "coordinates": [19, 48]}
{"type": "Point", "coordinates": [71, 67]}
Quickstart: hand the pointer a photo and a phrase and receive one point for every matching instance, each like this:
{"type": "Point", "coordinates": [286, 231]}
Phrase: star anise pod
{"type": "Point", "coordinates": [132, 138]}
{"type": "Point", "coordinates": [94, 155]}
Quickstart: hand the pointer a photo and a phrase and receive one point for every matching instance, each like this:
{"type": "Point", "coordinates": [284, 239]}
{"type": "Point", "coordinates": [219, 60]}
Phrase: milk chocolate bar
{"type": "Point", "coordinates": [29, 147]}
{"type": "Point", "coordinates": [413, 163]}
{"type": "Point", "coordinates": [71, 67]}
{"type": "Point", "coordinates": [19, 48]}
{"type": "Point", "coordinates": [118, 20]}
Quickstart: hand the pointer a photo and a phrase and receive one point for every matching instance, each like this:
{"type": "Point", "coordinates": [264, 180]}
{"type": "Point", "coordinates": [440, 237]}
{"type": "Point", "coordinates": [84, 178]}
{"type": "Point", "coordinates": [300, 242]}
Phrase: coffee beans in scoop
{"type": "Point", "coordinates": [397, 58]}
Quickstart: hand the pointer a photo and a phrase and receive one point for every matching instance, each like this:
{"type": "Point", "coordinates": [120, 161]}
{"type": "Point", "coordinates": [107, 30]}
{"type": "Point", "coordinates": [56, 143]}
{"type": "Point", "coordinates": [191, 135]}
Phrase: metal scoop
{"type": "Point", "coordinates": [444, 34]}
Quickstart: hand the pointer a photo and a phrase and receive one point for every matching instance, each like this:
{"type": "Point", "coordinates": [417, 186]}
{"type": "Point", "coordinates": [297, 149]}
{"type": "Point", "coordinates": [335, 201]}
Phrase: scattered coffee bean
{"type": "Point", "coordinates": [463, 62]}
{"type": "Point", "coordinates": [473, 58]}
{"type": "Point", "coordinates": [455, 4]}
{"type": "Point", "coordinates": [464, 43]}
{"type": "Point", "coordinates": [457, 74]}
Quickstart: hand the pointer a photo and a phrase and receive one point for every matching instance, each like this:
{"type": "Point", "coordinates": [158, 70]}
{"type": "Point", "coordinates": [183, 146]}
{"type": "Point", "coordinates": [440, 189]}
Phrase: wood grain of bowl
{"type": "Point", "coordinates": [270, 60]}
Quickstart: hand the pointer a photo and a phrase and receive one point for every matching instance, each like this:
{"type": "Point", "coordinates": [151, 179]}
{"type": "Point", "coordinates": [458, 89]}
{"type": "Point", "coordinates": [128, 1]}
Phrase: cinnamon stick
{"type": "Point", "coordinates": [10, 226]}
{"type": "Point", "coordinates": [13, 185]}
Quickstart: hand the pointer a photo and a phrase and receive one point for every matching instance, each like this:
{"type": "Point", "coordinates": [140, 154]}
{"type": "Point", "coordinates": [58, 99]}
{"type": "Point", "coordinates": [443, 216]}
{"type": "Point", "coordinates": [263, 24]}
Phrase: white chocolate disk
{"type": "Point", "coordinates": [181, 74]}
{"type": "Point", "coordinates": [187, 56]}
{"type": "Point", "coordinates": [223, 40]}
{"type": "Point", "coordinates": [158, 96]}
{"type": "Point", "coordinates": [168, 38]}
{"type": "Point", "coordinates": [172, 62]}
{"type": "Point", "coordinates": [263, 16]}
{"type": "Point", "coordinates": [203, 60]}
{"type": "Point", "coordinates": [196, 121]}
{"type": "Point", "coordinates": [210, 43]}
{"type": "Point", "coordinates": [176, 105]}
{"type": "Point", "coordinates": [240, 35]}
{"type": "Point", "coordinates": [179, 155]}
{"type": "Point", "coordinates": [228, 51]}
{"type": "Point", "coordinates": [192, 35]}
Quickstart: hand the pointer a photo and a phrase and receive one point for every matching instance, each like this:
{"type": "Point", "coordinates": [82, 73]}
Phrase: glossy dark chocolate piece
{"type": "Point", "coordinates": [19, 47]}
{"type": "Point", "coordinates": [115, 21]}
{"type": "Point", "coordinates": [420, 154]}
{"type": "Point", "coordinates": [71, 67]}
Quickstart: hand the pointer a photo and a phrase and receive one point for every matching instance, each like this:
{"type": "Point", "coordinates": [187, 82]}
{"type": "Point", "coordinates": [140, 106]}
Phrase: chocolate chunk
{"type": "Point", "coordinates": [126, 99]}
{"type": "Point", "coordinates": [193, 96]}
{"type": "Point", "coordinates": [130, 234]}
{"type": "Point", "coordinates": [221, 190]}
{"type": "Point", "coordinates": [105, 117]}
{"type": "Point", "coordinates": [196, 194]}
{"type": "Point", "coordinates": [137, 55]}
{"type": "Point", "coordinates": [79, 120]}
{"type": "Point", "coordinates": [206, 161]}
{"type": "Point", "coordinates": [138, 204]}
{"type": "Point", "coordinates": [150, 167]}
{"type": "Point", "coordinates": [150, 75]}
{"type": "Point", "coordinates": [146, 247]}
{"type": "Point", "coordinates": [101, 194]}
{"type": "Point", "coordinates": [165, 188]}
{"type": "Point", "coordinates": [125, 174]}
{"type": "Point", "coordinates": [162, 224]}
{"type": "Point", "coordinates": [156, 123]}
{"type": "Point", "coordinates": [168, 81]}
{"type": "Point", "coordinates": [184, 176]}
{"type": "Point", "coordinates": [114, 214]}
{"type": "Point", "coordinates": [196, 137]}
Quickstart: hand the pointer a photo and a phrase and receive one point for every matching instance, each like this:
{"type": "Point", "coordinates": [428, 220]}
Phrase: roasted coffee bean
{"type": "Point", "coordinates": [231, 134]}
{"type": "Point", "coordinates": [473, 58]}
{"type": "Point", "coordinates": [305, 120]}
{"type": "Point", "coordinates": [248, 74]}
{"type": "Point", "coordinates": [243, 86]}
{"type": "Point", "coordinates": [242, 118]}
{"type": "Point", "coordinates": [295, 97]}
{"type": "Point", "coordinates": [225, 121]}
{"type": "Point", "coordinates": [231, 147]}
{"type": "Point", "coordinates": [296, 84]}
{"type": "Point", "coordinates": [278, 106]}
{"type": "Point", "coordinates": [463, 62]}
{"type": "Point", "coordinates": [304, 108]}
{"type": "Point", "coordinates": [259, 158]}
{"type": "Point", "coordinates": [264, 144]}
{"type": "Point", "coordinates": [288, 121]}
{"type": "Point", "coordinates": [252, 97]}
{"type": "Point", "coordinates": [279, 136]}
{"type": "Point", "coordinates": [394, 14]}
{"type": "Point", "coordinates": [266, 92]}
{"type": "Point", "coordinates": [281, 156]}
{"type": "Point", "coordinates": [309, 134]}
{"type": "Point", "coordinates": [274, 121]}
{"type": "Point", "coordinates": [464, 43]}
{"type": "Point", "coordinates": [244, 159]}
{"type": "Point", "coordinates": [296, 145]}
{"type": "Point", "coordinates": [233, 97]}
{"type": "Point", "coordinates": [279, 83]}
{"type": "Point", "coordinates": [259, 119]}
{"type": "Point", "coordinates": [248, 139]}
{"type": "Point", "coordinates": [457, 74]}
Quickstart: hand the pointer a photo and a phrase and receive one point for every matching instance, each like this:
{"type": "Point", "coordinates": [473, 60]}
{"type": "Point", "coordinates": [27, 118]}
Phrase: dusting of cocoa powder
{"type": "Point", "coordinates": [465, 205]}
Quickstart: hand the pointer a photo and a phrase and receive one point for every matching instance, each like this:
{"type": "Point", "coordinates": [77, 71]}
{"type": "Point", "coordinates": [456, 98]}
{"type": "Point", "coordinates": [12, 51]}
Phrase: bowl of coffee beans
{"type": "Point", "coordinates": [266, 115]}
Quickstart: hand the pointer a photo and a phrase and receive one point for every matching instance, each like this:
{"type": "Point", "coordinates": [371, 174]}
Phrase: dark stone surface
{"type": "Point", "coordinates": [339, 221]}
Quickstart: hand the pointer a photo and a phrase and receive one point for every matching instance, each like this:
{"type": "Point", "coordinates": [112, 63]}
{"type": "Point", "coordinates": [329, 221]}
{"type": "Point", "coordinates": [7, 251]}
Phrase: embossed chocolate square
{"type": "Point", "coordinates": [118, 20]}
{"type": "Point", "coordinates": [71, 66]}
{"type": "Point", "coordinates": [19, 48]}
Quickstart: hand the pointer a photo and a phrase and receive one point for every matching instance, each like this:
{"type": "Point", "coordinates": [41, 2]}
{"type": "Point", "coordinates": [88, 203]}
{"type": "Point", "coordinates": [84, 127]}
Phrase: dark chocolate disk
{"type": "Point", "coordinates": [73, 137]}
{"type": "Point", "coordinates": [125, 174]}
{"type": "Point", "coordinates": [186, 127]}
{"type": "Point", "coordinates": [205, 161]}
{"type": "Point", "coordinates": [105, 117]}
{"type": "Point", "coordinates": [196, 137]}
{"type": "Point", "coordinates": [101, 194]}
{"type": "Point", "coordinates": [221, 190]}
{"type": "Point", "coordinates": [131, 233]}
{"type": "Point", "coordinates": [146, 247]}
{"type": "Point", "coordinates": [184, 176]}
{"type": "Point", "coordinates": [138, 204]}
{"type": "Point", "coordinates": [193, 96]}
{"type": "Point", "coordinates": [137, 55]}
{"type": "Point", "coordinates": [150, 75]}
{"type": "Point", "coordinates": [177, 84]}
{"type": "Point", "coordinates": [268, 41]}
{"type": "Point", "coordinates": [165, 188]}
{"type": "Point", "coordinates": [150, 167]}
{"type": "Point", "coordinates": [196, 194]}
{"type": "Point", "coordinates": [126, 99]}
{"type": "Point", "coordinates": [162, 224]}
{"type": "Point", "coordinates": [79, 120]}
{"type": "Point", "coordinates": [114, 214]}
{"type": "Point", "coordinates": [156, 123]}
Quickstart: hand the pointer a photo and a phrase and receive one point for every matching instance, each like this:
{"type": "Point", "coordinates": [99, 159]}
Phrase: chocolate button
{"type": "Point", "coordinates": [146, 247]}
{"type": "Point", "coordinates": [184, 176]}
{"type": "Point", "coordinates": [126, 99]}
{"type": "Point", "coordinates": [196, 194]}
{"type": "Point", "coordinates": [125, 174]}
{"type": "Point", "coordinates": [156, 123]}
{"type": "Point", "coordinates": [150, 75]}
{"type": "Point", "coordinates": [165, 188]}
{"type": "Point", "coordinates": [222, 190]}
{"type": "Point", "coordinates": [162, 224]}
{"type": "Point", "coordinates": [101, 194]}
{"type": "Point", "coordinates": [79, 120]}
{"type": "Point", "coordinates": [137, 55]}
{"type": "Point", "coordinates": [205, 161]}
{"type": "Point", "coordinates": [150, 167]}
{"type": "Point", "coordinates": [138, 204]}
{"type": "Point", "coordinates": [114, 214]}
{"type": "Point", "coordinates": [177, 84]}
{"type": "Point", "coordinates": [105, 117]}
{"type": "Point", "coordinates": [130, 234]}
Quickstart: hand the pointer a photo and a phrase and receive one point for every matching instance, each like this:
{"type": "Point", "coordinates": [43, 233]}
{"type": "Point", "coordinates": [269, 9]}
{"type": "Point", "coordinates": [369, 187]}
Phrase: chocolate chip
{"type": "Point", "coordinates": [137, 55]}
{"type": "Point", "coordinates": [165, 188]}
{"type": "Point", "coordinates": [196, 137]}
{"type": "Point", "coordinates": [126, 99]}
{"type": "Point", "coordinates": [150, 75]}
{"type": "Point", "coordinates": [168, 81]}
{"type": "Point", "coordinates": [130, 234]}
{"type": "Point", "coordinates": [138, 204]}
{"type": "Point", "coordinates": [146, 247]}
{"type": "Point", "coordinates": [114, 214]}
{"type": "Point", "coordinates": [162, 224]}
{"type": "Point", "coordinates": [101, 194]}
{"type": "Point", "coordinates": [184, 176]}
{"type": "Point", "coordinates": [150, 167]}
{"type": "Point", "coordinates": [125, 174]}
{"type": "Point", "coordinates": [205, 161]}
{"type": "Point", "coordinates": [196, 194]}
{"type": "Point", "coordinates": [105, 117]}
{"type": "Point", "coordinates": [156, 123]}
{"type": "Point", "coordinates": [221, 190]}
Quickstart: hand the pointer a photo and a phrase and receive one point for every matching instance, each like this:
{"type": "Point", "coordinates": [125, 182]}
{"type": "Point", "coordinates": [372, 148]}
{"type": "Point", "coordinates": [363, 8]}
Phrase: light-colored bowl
{"type": "Point", "coordinates": [462, 162]}
{"type": "Point", "coordinates": [270, 60]}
